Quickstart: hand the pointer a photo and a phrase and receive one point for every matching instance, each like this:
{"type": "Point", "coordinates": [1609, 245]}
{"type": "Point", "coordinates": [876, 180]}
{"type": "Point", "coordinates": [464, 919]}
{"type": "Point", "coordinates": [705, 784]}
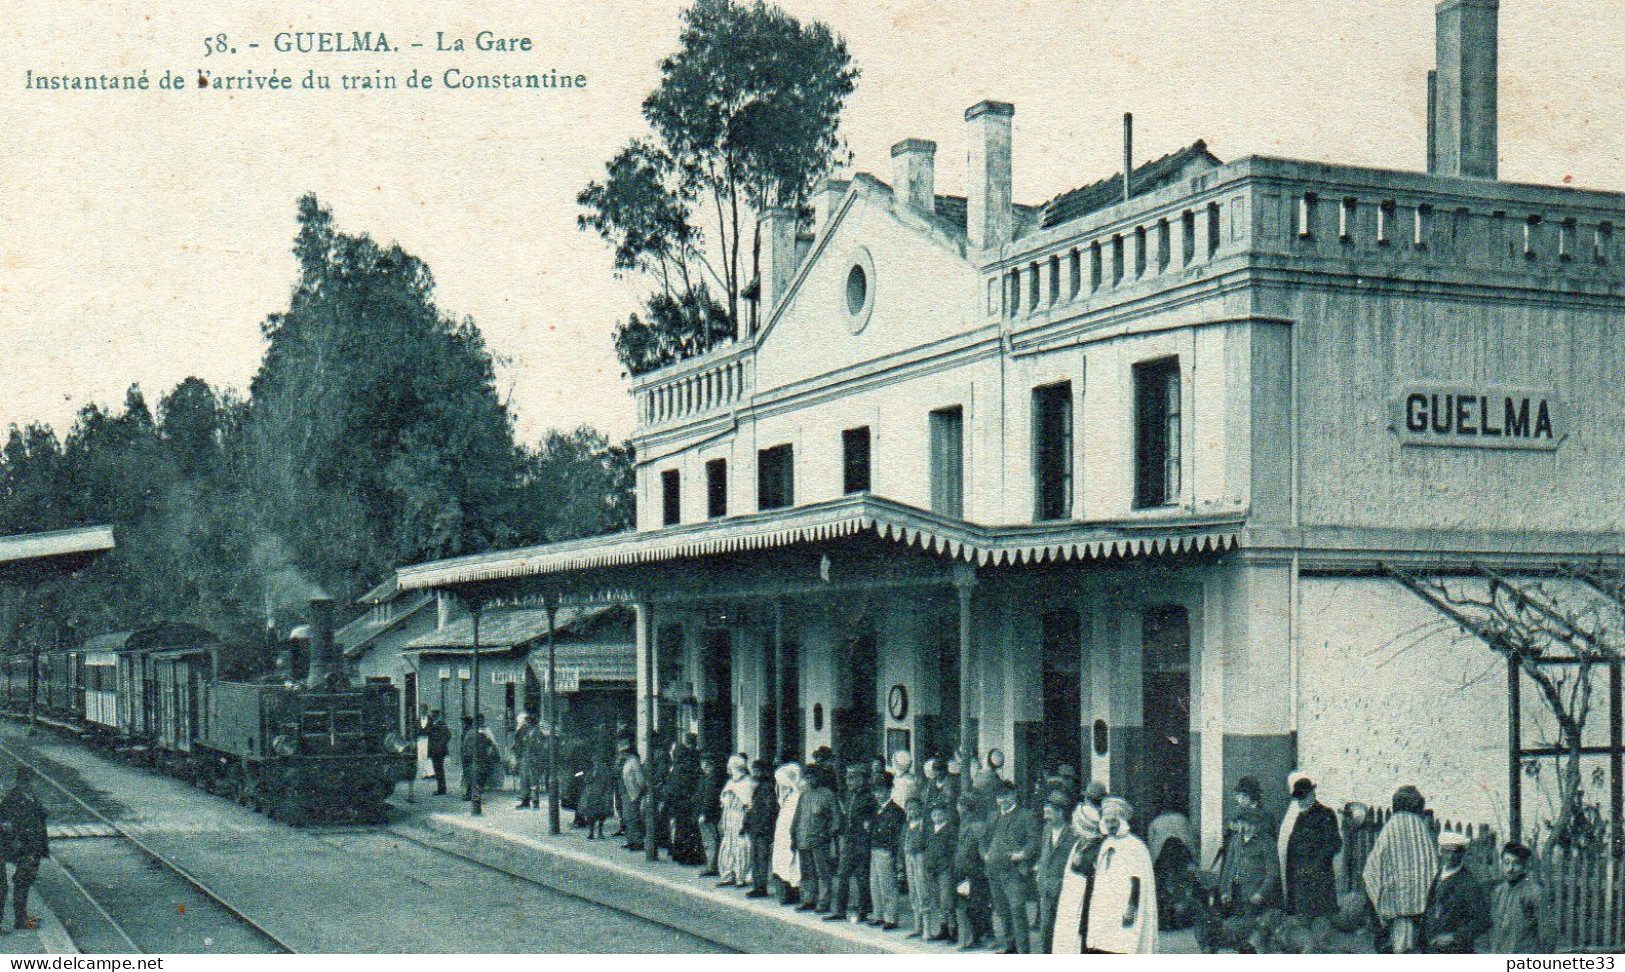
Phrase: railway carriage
{"type": "Point", "coordinates": [299, 741]}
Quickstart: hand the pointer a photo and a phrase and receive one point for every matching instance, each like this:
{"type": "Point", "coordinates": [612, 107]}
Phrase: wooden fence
{"type": "Point", "coordinates": [1585, 893]}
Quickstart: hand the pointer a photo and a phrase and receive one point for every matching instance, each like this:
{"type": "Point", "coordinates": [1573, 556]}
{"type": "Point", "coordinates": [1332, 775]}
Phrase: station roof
{"type": "Point", "coordinates": [846, 517]}
{"type": "Point", "coordinates": [354, 637]}
{"type": "Point", "coordinates": [1149, 177]}
{"type": "Point", "coordinates": [65, 550]}
{"type": "Point", "coordinates": [504, 628]}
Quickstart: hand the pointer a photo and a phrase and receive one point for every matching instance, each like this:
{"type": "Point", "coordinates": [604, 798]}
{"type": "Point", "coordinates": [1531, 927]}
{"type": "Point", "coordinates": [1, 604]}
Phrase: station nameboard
{"type": "Point", "coordinates": [1483, 417]}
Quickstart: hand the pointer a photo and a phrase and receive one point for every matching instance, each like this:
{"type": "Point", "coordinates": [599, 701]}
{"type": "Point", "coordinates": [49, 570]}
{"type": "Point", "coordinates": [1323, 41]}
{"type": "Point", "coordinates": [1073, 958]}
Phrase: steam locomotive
{"type": "Point", "coordinates": [288, 735]}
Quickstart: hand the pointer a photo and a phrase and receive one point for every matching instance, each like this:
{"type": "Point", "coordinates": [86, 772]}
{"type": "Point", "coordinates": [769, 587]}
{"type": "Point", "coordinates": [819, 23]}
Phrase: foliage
{"type": "Point", "coordinates": [746, 118]}
{"type": "Point", "coordinates": [373, 437]}
{"type": "Point", "coordinates": [1577, 616]}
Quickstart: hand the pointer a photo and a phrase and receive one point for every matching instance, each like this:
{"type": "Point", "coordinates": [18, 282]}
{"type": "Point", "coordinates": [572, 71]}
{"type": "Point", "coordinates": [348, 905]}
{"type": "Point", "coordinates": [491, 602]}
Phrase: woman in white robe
{"type": "Point", "coordinates": [786, 862]}
{"type": "Point", "coordinates": [1123, 898]}
{"type": "Point", "coordinates": [733, 856]}
{"type": "Point", "coordinates": [1074, 898]}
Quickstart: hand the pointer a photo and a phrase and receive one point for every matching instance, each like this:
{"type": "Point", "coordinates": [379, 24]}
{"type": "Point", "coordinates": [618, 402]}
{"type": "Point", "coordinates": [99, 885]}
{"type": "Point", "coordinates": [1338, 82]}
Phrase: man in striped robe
{"type": "Point", "coordinates": [1401, 870]}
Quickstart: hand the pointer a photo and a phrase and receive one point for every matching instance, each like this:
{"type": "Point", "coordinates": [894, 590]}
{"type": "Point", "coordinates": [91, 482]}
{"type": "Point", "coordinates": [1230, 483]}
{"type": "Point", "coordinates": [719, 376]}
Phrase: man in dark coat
{"type": "Point", "coordinates": [1458, 906]}
{"type": "Point", "coordinates": [857, 809]}
{"type": "Point", "coordinates": [940, 847]}
{"type": "Point", "coordinates": [1010, 850]}
{"type": "Point", "coordinates": [24, 844]}
{"type": "Point", "coordinates": [816, 825]}
{"type": "Point", "coordinates": [1055, 848]}
{"type": "Point", "coordinates": [468, 747]}
{"type": "Point", "coordinates": [760, 821]}
{"type": "Point", "coordinates": [439, 736]}
{"type": "Point", "coordinates": [682, 785]}
{"type": "Point", "coordinates": [655, 818]}
{"type": "Point", "coordinates": [814, 831]}
{"type": "Point", "coordinates": [1311, 841]}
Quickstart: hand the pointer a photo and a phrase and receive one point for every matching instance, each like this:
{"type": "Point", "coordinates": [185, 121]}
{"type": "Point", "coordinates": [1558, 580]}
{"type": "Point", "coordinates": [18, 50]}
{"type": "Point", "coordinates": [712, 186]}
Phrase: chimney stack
{"type": "Point", "coordinates": [989, 222]}
{"type": "Point", "coordinates": [914, 173]}
{"type": "Point", "coordinates": [1128, 155]}
{"type": "Point", "coordinates": [325, 666]}
{"type": "Point", "coordinates": [779, 235]}
{"type": "Point", "coordinates": [1462, 95]}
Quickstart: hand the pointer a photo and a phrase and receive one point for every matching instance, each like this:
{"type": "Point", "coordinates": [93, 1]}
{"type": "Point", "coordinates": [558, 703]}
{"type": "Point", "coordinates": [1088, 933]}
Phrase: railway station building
{"type": "Point", "coordinates": [1106, 480]}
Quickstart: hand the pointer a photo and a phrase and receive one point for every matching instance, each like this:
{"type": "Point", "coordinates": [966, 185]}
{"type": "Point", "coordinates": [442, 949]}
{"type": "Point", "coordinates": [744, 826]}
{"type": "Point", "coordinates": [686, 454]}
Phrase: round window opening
{"type": "Point", "coordinates": [857, 289]}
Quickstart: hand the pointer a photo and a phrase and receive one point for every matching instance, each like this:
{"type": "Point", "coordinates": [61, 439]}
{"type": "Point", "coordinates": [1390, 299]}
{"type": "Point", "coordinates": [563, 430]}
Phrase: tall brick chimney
{"type": "Point", "coordinates": [914, 173]}
{"type": "Point", "coordinates": [990, 222]}
{"type": "Point", "coordinates": [1462, 90]}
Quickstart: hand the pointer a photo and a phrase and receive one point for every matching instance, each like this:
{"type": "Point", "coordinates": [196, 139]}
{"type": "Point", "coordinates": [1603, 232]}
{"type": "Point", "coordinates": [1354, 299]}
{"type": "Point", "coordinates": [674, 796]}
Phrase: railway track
{"type": "Point", "coordinates": [125, 895]}
{"type": "Point", "coordinates": [396, 833]}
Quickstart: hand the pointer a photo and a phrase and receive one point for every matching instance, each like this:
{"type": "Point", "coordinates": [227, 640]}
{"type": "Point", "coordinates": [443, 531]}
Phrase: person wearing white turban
{"type": "Point", "coordinates": [1123, 898]}
{"type": "Point", "coordinates": [1072, 907]}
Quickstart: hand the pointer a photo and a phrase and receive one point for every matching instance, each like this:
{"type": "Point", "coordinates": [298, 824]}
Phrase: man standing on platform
{"type": "Point", "coordinates": [1309, 843]}
{"type": "Point", "coordinates": [439, 739]}
{"type": "Point", "coordinates": [24, 843]}
{"type": "Point", "coordinates": [632, 786]}
{"type": "Point", "coordinates": [1012, 846]}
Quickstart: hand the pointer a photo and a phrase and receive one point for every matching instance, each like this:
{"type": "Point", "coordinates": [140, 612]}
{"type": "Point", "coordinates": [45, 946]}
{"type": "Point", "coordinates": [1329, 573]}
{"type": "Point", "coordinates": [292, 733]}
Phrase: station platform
{"type": "Point", "coordinates": [517, 841]}
{"type": "Point", "coordinates": [50, 938]}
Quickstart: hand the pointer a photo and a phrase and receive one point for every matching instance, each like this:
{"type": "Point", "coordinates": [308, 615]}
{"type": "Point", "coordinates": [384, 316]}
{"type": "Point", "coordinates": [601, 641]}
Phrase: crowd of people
{"type": "Point", "coordinates": [1414, 892]}
{"type": "Point", "coordinates": [944, 852]}
{"type": "Point", "coordinates": [952, 852]}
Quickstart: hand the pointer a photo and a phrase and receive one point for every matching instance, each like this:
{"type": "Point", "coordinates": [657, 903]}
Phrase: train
{"type": "Point", "coordinates": [280, 728]}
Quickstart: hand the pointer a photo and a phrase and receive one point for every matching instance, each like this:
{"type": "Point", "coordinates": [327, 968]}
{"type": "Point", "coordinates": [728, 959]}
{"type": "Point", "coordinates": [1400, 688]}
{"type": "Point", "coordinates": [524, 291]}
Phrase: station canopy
{"type": "Point", "coordinates": [27, 557]}
{"type": "Point", "coordinates": [848, 517]}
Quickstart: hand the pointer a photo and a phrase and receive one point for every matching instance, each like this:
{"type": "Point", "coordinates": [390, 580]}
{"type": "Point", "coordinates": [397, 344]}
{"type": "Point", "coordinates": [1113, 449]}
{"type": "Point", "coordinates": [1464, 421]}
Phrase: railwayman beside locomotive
{"type": "Point", "coordinates": [23, 844]}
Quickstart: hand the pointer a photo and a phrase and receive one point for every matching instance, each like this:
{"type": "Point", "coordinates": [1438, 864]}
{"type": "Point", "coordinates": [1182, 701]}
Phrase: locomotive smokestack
{"type": "Point", "coordinates": [324, 663]}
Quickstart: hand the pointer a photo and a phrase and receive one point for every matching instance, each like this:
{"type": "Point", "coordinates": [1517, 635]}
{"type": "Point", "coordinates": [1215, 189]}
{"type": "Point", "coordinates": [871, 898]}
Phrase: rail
{"type": "Point", "coordinates": [160, 859]}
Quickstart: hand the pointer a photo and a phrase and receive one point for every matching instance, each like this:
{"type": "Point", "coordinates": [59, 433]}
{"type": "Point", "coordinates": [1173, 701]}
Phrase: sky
{"type": "Point", "coordinates": [145, 236]}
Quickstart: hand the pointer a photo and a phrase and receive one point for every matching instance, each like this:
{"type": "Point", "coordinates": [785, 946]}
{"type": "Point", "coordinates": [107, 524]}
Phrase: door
{"type": "Point", "coordinates": [858, 737]}
{"type": "Point", "coordinates": [1166, 642]}
{"type": "Point", "coordinates": [717, 710]}
{"type": "Point", "coordinates": [1063, 689]}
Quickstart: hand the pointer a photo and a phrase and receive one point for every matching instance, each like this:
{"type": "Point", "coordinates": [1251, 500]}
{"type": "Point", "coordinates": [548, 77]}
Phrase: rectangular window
{"type": "Point", "coordinates": [1345, 219]}
{"type": "Point", "coordinates": [1156, 432]}
{"type": "Point", "coordinates": [1215, 228]}
{"type": "Point", "coordinates": [775, 477]}
{"type": "Point", "coordinates": [1055, 280]}
{"type": "Point", "coordinates": [1188, 223]}
{"type": "Point", "coordinates": [1052, 452]}
{"type": "Point", "coordinates": [1385, 222]}
{"type": "Point", "coordinates": [1601, 242]}
{"type": "Point", "coordinates": [1565, 240]}
{"type": "Point", "coordinates": [1306, 215]}
{"type": "Point", "coordinates": [1117, 260]}
{"type": "Point", "coordinates": [855, 460]}
{"type": "Point", "coordinates": [1096, 270]}
{"type": "Point", "coordinates": [1139, 251]}
{"type": "Point", "coordinates": [1419, 229]}
{"type": "Point", "coordinates": [1015, 292]}
{"type": "Point", "coordinates": [671, 497]}
{"type": "Point", "coordinates": [1033, 287]}
{"type": "Point", "coordinates": [1530, 231]}
{"type": "Point", "coordinates": [948, 461]}
{"type": "Point", "coordinates": [1165, 245]}
{"type": "Point", "coordinates": [716, 488]}
{"type": "Point", "coordinates": [992, 296]}
{"type": "Point", "coordinates": [1077, 272]}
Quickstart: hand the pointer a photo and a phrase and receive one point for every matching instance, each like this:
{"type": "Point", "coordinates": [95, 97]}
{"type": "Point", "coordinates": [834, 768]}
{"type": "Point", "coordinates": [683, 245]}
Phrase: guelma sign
{"type": "Point", "coordinates": [1483, 417]}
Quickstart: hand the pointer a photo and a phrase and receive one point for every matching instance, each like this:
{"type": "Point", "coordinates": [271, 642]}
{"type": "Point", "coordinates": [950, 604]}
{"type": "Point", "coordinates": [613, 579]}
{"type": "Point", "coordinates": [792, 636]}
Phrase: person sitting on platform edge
{"type": "Point", "coordinates": [23, 844]}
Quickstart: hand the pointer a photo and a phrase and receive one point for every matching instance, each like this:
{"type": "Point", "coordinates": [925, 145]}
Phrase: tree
{"type": "Point", "coordinates": [374, 434]}
{"type": "Point", "coordinates": [1578, 614]}
{"type": "Point", "coordinates": [579, 485]}
{"type": "Point", "coordinates": [746, 118]}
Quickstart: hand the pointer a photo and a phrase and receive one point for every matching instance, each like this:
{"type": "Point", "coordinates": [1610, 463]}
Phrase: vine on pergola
{"type": "Point", "coordinates": [1575, 613]}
